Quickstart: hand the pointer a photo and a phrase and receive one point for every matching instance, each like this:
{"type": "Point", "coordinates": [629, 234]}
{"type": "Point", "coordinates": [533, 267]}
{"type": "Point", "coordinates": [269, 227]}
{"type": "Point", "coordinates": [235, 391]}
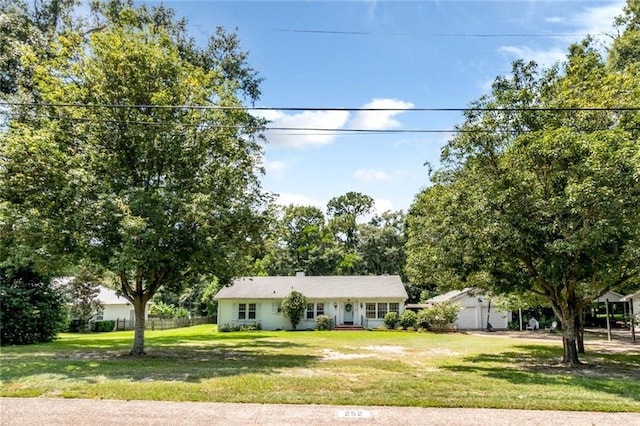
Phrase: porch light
{"type": "Point", "coordinates": [335, 305]}
{"type": "Point", "coordinates": [360, 305]}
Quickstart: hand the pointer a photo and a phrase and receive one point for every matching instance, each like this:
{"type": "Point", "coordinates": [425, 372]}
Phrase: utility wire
{"type": "Point", "coordinates": [296, 131]}
{"type": "Point", "coordinates": [253, 108]}
{"type": "Point", "coordinates": [429, 35]}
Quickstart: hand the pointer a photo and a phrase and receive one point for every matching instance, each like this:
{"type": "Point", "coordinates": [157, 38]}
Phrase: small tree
{"type": "Point", "coordinates": [84, 291]}
{"type": "Point", "coordinates": [32, 310]}
{"type": "Point", "coordinates": [294, 307]}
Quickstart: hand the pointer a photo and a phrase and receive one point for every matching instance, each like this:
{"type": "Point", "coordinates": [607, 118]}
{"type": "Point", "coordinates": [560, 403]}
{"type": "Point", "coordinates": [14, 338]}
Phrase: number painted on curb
{"type": "Point", "coordinates": [357, 414]}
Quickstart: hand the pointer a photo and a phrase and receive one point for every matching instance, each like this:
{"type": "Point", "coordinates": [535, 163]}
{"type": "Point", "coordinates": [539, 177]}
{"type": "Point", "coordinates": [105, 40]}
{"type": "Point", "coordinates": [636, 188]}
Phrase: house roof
{"type": "Point", "coordinates": [612, 295]}
{"type": "Point", "coordinates": [449, 296]}
{"type": "Point", "coordinates": [628, 297]}
{"type": "Point", "coordinates": [109, 297]}
{"type": "Point", "coordinates": [322, 287]}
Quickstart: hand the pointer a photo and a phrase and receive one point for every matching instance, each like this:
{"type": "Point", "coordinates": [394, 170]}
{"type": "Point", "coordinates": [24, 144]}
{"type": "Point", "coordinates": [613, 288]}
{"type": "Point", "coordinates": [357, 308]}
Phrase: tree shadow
{"type": "Point", "coordinates": [168, 359]}
{"type": "Point", "coordinates": [614, 373]}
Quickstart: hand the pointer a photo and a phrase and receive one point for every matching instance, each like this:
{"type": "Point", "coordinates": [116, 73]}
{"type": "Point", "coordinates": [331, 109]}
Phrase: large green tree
{"type": "Point", "coordinates": [141, 158]}
{"type": "Point", "coordinates": [381, 244]}
{"type": "Point", "coordinates": [541, 190]}
{"type": "Point", "coordinates": [344, 211]}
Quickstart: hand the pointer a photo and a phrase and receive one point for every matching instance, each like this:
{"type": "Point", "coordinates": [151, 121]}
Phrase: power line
{"type": "Point", "coordinates": [429, 35]}
{"type": "Point", "coordinates": [298, 131]}
{"type": "Point", "coordinates": [303, 109]}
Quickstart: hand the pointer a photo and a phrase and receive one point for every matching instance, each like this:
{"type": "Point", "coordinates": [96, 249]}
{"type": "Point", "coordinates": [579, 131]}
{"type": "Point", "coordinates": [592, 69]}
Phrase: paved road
{"type": "Point", "coordinates": [53, 411]}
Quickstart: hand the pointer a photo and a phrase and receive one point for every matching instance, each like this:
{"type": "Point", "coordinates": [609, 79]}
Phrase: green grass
{"type": "Point", "coordinates": [353, 368]}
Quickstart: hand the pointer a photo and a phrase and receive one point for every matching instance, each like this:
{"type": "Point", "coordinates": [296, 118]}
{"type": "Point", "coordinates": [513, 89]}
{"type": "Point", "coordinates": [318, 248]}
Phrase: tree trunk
{"type": "Point", "coordinates": [580, 331]}
{"type": "Point", "coordinates": [569, 343]}
{"type": "Point", "coordinates": [138, 339]}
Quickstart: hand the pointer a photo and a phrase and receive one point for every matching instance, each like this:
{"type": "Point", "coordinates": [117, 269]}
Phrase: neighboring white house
{"type": "Point", "coordinates": [350, 300]}
{"type": "Point", "coordinates": [634, 304]}
{"type": "Point", "coordinates": [610, 296]}
{"type": "Point", "coordinates": [116, 307]}
{"type": "Point", "coordinates": [475, 308]}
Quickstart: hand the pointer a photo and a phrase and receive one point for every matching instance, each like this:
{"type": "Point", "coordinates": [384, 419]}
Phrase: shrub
{"type": "Point", "coordinates": [181, 313]}
{"type": "Point", "coordinates": [391, 319]}
{"type": "Point", "coordinates": [408, 319]}
{"type": "Point", "coordinates": [323, 322]}
{"type": "Point", "coordinates": [32, 310]}
{"type": "Point", "coordinates": [162, 310]}
{"type": "Point", "coordinates": [422, 319]}
{"type": "Point", "coordinates": [441, 315]}
{"type": "Point", "coordinates": [253, 326]}
{"type": "Point", "coordinates": [103, 326]}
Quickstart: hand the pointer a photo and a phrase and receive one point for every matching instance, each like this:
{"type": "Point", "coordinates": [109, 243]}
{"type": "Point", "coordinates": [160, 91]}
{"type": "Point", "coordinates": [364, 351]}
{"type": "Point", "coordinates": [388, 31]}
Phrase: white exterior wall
{"type": "Point", "coordinates": [114, 312]}
{"type": "Point", "coordinates": [270, 319]}
{"type": "Point", "coordinates": [121, 311]}
{"type": "Point", "coordinates": [636, 309]}
{"type": "Point", "coordinates": [473, 315]}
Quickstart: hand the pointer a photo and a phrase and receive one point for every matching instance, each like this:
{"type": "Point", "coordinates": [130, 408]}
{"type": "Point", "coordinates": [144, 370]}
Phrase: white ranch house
{"type": "Point", "coordinates": [475, 308]}
{"type": "Point", "coordinates": [350, 300]}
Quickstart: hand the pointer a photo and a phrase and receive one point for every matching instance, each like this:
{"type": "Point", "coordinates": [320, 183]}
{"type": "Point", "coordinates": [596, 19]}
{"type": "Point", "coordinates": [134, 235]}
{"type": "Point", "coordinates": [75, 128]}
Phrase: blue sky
{"type": "Point", "coordinates": [381, 54]}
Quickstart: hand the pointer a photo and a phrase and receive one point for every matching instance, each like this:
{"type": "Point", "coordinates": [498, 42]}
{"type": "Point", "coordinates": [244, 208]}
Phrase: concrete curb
{"type": "Point", "coordinates": [56, 411]}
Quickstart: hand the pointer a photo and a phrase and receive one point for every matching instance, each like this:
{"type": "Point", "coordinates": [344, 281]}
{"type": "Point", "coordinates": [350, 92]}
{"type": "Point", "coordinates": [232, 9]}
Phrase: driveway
{"type": "Point", "coordinates": [54, 411]}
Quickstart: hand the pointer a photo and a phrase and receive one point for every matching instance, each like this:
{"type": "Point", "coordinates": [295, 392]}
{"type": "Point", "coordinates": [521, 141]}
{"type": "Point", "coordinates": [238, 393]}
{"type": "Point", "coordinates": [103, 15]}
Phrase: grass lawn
{"type": "Point", "coordinates": [313, 367]}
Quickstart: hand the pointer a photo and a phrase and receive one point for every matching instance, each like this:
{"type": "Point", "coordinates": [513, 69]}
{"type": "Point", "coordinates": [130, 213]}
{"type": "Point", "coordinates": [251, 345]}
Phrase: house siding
{"type": "Point", "coordinates": [270, 319]}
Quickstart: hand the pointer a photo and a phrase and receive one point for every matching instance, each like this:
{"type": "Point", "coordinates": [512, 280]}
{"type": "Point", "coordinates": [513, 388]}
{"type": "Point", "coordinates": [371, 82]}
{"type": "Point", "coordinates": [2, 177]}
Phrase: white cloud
{"type": "Point", "coordinates": [371, 175]}
{"type": "Point", "coordinates": [543, 57]}
{"type": "Point", "coordinates": [379, 120]}
{"type": "Point", "coordinates": [383, 205]}
{"type": "Point", "coordinates": [275, 168]}
{"type": "Point", "coordinates": [285, 199]}
{"type": "Point", "coordinates": [328, 121]}
{"type": "Point", "coordinates": [597, 20]}
{"type": "Point", "coordinates": [554, 19]}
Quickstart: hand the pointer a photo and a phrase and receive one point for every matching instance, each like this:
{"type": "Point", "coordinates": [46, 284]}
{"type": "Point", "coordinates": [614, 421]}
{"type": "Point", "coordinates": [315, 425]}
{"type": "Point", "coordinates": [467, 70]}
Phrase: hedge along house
{"type": "Point", "coordinates": [348, 300]}
{"type": "Point", "coordinates": [476, 310]}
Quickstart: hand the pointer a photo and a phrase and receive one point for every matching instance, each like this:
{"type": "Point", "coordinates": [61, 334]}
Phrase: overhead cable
{"type": "Point", "coordinates": [347, 109]}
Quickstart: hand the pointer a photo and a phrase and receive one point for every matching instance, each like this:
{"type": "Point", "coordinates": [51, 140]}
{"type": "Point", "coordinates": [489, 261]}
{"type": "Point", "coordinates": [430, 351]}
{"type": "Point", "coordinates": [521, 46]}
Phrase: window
{"type": "Point", "coordinates": [242, 311]}
{"type": "Point", "coordinates": [371, 310]}
{"type": "Point", "coordinates": [276, 308]}
{"type": "Point", "coordinates": [394, 307]}
{"type": "Point", "coordinates": [252, 311]}
{"type": "Point", "coordinates": [310, 311]}
{"type": "Point", "coordinates": [100, 315]}
{"type": "Point", "coordinates": [314, 309]}
{"type": "Point", "coordinates": [382, 310]}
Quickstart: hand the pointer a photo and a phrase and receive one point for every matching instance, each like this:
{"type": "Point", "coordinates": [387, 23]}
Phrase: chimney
{"type": "Point", "coordinates": [299, 273]}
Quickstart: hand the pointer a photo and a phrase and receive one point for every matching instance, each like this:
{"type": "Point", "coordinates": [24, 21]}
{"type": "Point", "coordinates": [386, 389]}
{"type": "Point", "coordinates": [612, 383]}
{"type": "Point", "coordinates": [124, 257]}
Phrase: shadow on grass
{"type": "Point", "coordinates": [616, 374]}
{"type": "Point", "coordinates": [169, 358]}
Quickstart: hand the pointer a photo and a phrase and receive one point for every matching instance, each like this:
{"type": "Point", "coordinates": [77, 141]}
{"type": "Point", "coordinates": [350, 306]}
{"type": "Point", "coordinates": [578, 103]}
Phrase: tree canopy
{"type": "Point", "coordinates": [540, 189]}
{"type": "Point", "coordinates": [304, 239]}
{"type": "Point", "coordinates": [139, 156]}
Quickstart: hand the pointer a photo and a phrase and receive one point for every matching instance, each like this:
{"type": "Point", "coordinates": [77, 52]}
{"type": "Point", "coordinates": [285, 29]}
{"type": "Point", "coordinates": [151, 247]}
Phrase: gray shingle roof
{"type": "Point", "coordinates": [324, 287]}
{"type": "Point", "coordinates": [449, 296]}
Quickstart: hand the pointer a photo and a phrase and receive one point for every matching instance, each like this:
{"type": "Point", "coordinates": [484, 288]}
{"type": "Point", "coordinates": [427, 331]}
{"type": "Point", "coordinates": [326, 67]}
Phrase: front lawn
{"type": "Point", "coordinates": [351, 368]}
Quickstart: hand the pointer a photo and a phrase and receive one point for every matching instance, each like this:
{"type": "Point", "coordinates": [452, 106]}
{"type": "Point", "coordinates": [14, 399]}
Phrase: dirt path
{"type": "Point", "coordinates": [50, 411]}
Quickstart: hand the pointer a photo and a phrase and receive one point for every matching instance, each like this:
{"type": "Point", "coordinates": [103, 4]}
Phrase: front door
{"type": "Point", "coordinates": [348, 313]}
